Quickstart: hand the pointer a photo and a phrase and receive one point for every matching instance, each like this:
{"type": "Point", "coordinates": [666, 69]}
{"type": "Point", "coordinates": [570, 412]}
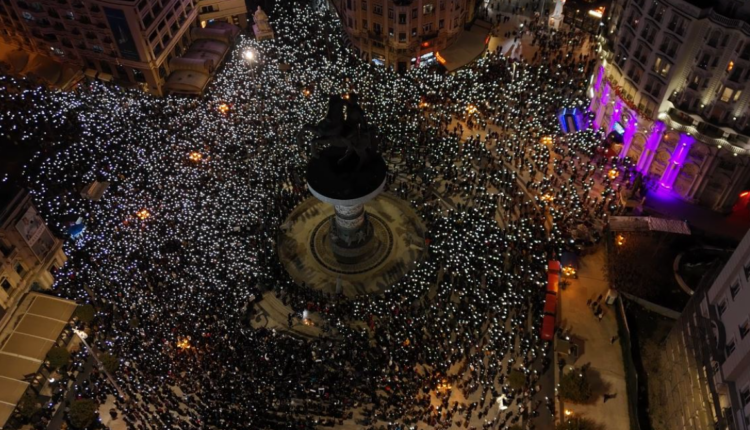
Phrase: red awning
{"type": "Point", "coordinates": [554, 265]}
{"type": "Point", "coordinates": [553, 281]}
{"type": "Point", "coordinates": [548, 327]}
{"type": "Point", "coordinates": [550, 305]}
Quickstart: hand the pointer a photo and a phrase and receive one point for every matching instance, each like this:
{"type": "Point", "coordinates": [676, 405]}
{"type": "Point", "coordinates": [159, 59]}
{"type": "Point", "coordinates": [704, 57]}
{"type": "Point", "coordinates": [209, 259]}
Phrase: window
{"type": "Point", "coordinates": [351, 23]}
{"type": "Point", "coordinates": [428, 9]}
{"type": "Point", "coordinates": [97, 48]}
{"type": "Point", "coordinates": [364, 4]}
{"type": "Point", "coordinates": [427, 28]}
{"type": "Point", "coordinates": [745, 396]}
{"type": "Point", "coordinates": [402, 37]}
{"type": "Point", "coordinates": [390, 13]}
{"type": "Point", "coordinates": [414, 32]}
{"type": "Point", "coordinates": [731, 346]}
{"type": "Point", "coordinates": [376, 28]}
{"type": "Point", "coordinates": [736, 73]}
{"type": "Point", "coordinates": [661, 66]}
{"type": "Point", "coordinates": [442, 4]}
{"type": "Point", "coordinates": [390, 31]}
{"type": "Point", "coordinates": [414, 13]}
{"type": "Point", "coordinates": [744, 328]}
{"type": "Point", "coordinates": [20, 269]}
{"type": "Point", "coordinates": [402, 18]}
{"type": "Point", "coordinates": [207, 9]}
{"type": "Point", "coordinates": [441, 24]}
{"type": "Point", "coordinates": [27, 16]}
{"type": "Point", "coordinates": [364, 24]}
{"type": "Point", "coordinates": [737, 95]}
{"type": "Point", "coordinates": [349, 4]}
{"type": "Point", "coordinates": [722, 306]}
{"type": "Point", "coordinates": [726, 94]}
{"type": "Point", "coordinates": [377, 9]}
{"type": "Point", "coordinates": [734, 289]}
{"type": "Point", "coordinates": [6, 285]}
{"type": "Point", "coordinates": [747, 271]}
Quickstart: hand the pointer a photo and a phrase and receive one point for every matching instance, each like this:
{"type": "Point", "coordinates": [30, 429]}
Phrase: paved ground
{"type": "Point", "coordinates": [607, 371]}
{"type": "Point", "coordinates": [469, 46]}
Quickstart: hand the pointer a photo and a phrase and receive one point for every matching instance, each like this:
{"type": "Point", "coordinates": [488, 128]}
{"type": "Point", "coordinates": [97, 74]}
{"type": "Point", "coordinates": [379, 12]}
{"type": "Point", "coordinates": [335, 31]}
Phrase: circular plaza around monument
{"type": "Point", "coordinates": [397, 245]}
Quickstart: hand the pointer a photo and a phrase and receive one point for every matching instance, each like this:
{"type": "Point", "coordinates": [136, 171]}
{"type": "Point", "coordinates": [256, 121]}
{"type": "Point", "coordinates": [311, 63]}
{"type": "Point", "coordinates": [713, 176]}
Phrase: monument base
{"type": "Point", "coordinates": [396, 245]}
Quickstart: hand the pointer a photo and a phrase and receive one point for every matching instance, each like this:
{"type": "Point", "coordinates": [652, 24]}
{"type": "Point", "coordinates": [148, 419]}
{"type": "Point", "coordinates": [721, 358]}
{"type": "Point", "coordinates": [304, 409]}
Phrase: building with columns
{"type": "Point", "coordinates": [127, 41]}
{"type": "Point", "coordinates": [402, 34]}
{"type": "Point", "coordinates": [706, 358]}
{"type": "Point", "coordinates": [29, 252]}
{"type": "Point", "coordinates": [672, 90]}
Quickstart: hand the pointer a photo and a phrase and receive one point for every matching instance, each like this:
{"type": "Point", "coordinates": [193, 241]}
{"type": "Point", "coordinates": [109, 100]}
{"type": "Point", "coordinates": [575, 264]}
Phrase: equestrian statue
{"type": "Point", "coordinates": [344, 126]}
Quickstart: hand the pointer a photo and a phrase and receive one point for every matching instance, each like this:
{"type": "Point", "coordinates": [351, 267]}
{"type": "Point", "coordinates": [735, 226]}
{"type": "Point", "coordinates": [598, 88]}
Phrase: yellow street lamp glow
{"type": "Point", "coordinates": [248, 55]}
{"type": "Point", "coordinates": [224, 108]}
{"type": "Point", "coordinates": [568, 412]}
{"type": "Point", "coordinates": [547, 197]}
{"type": "Point", "coordinates": [195, 156]}
{"type": "Point", "coordinates": [183, 344]}
{"type": "Point", "coordinates": [620, 240]}
{"type": "Point", "coordinates": [569, 271]}
{"type": "Point", "coordinates": [143, 214]}
{"type": "Point", "coordinates": [306, 92]}
{"type": "Point", "coordinates": [613, 174]}
{"type": "Point", "coordinates": [471, 109]}
{"type": "Point", "coordinates": [546, 140]}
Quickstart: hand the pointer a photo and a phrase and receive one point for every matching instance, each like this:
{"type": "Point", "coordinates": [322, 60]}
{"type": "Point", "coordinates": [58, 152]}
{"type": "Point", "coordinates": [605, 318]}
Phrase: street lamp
{"type": "Point", "coordinates": [249, 55]}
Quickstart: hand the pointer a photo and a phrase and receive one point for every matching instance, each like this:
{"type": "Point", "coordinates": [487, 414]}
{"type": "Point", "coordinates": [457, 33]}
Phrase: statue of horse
{"type": "Point", "coordinates": [349, 131]}
{"type": "Point", "coordinates": [331, 125]}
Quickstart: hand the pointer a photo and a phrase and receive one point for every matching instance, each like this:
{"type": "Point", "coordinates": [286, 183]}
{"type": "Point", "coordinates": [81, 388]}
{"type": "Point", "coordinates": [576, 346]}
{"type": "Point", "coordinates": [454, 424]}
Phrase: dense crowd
{"type": "Point", "coordinates": [183, 242]}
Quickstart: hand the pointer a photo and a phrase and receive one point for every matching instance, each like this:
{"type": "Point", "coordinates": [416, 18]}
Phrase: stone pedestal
{"type": "Point", "coordinates": [340, 184]}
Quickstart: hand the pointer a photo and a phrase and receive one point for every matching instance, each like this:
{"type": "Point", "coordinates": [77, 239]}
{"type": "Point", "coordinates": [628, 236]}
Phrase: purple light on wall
{"type": "Point", "coordinates": [599, 76]}
{"type": "Point", "coordinates": [651, 144]}
{"type": "Point", "coordinates": [616, 114]}
{"type": "Point", "coordinates": [676, 161]}
{"type": "Point", "coordinates": [627, 137]}
{"type": "Point", "coordinates": [605, 96]}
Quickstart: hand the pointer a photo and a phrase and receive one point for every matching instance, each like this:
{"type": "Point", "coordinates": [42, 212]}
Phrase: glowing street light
{"type": "Point", "coordinates": [613, 174]}
{"type": "Point", "coordinates": [620, 240]}
{"type": "Point", "coordinates": [471, 109]}
{"type": "Point", "coordinates": [195, 156]}
{"type": "Point", "coordinates": [546, 140]}
{"type": "Point", "coordinates": [184, 344]}
{"type": "Point", "coordinates": [143, 214]}
{"type": "Point", "coordinates": [249, 55]}
{"type": "Point", "coordinates": [547, 198]}
{"type": "Point", "coordinates": [568, 412]}
{"type": "Point", "coordinates": [223, 108]}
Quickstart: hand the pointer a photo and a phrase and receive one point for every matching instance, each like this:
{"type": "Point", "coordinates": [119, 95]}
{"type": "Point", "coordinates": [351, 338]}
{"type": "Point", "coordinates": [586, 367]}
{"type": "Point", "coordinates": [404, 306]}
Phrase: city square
{"type": "Point", "coordinates": [243, 277]}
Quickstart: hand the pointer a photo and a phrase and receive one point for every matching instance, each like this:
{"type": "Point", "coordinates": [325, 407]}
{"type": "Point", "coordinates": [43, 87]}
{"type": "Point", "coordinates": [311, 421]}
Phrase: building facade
{"type": "Point", "coordinates": [672, 86]}
{"type": "Point", "coordinates": [29, 252]}
{"type": "Point", "coordinates": [231, 11]}
{"type": "Point", "coordinates": [707, 353]}
{"type": "Point", "coordinates": [401, 34]}
{"type": "Point", "coordinates": [130, 41]}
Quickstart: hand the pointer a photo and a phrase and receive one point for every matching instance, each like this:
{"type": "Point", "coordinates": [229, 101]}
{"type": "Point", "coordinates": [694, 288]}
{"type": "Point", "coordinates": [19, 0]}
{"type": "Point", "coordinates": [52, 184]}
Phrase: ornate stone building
{"type": "Point", "coordinates": [706, 359]}
{"type": "Point", "coordinates": [29, 253]}
{"type": "Point", "coordinates": [128, 41]}
{"type": "Point", "coordinates": [403, 33]}
{"type": "Point", "coordinates": [672, 87]}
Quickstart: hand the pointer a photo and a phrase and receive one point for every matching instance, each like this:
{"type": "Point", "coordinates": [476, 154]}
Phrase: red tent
{"type": "Point", "coordinates": [548, 327]}
{"type": "Point", "coordinates": [553, 283]}
{"type": "Point", "coordinates": [550, 305]}
{"type": "Point", "coordinates": [554, 266]}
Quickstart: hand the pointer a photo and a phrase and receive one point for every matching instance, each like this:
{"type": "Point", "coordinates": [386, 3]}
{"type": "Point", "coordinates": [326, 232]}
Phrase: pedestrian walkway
{"type": "Point", "coordinates": [607, 371]}
{"type": "Point", "coordinates": [469, 46]}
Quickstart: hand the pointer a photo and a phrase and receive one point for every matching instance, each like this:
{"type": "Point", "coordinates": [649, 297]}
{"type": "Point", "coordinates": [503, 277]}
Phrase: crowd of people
{"type": "Point", "coordinates": [183, 243]}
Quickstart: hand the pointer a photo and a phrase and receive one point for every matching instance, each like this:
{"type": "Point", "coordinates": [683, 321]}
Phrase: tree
{"type": "Point", "coordinates": [85, 313]}
{"type": "Point", "coordinates": [58, 357]}
{"type": "Point", "coordinates": [110, 362]}
{"type": "Point", "coordinates": [82, 413]}
{"type": "Point", "coordinates": [27, 406]}
{"type": "Point", "coordinates": [575, 387]}
{"type": "Point", "coordinates": [516, 379]}
{"type": "Point", "coordinates": [577, 423]}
